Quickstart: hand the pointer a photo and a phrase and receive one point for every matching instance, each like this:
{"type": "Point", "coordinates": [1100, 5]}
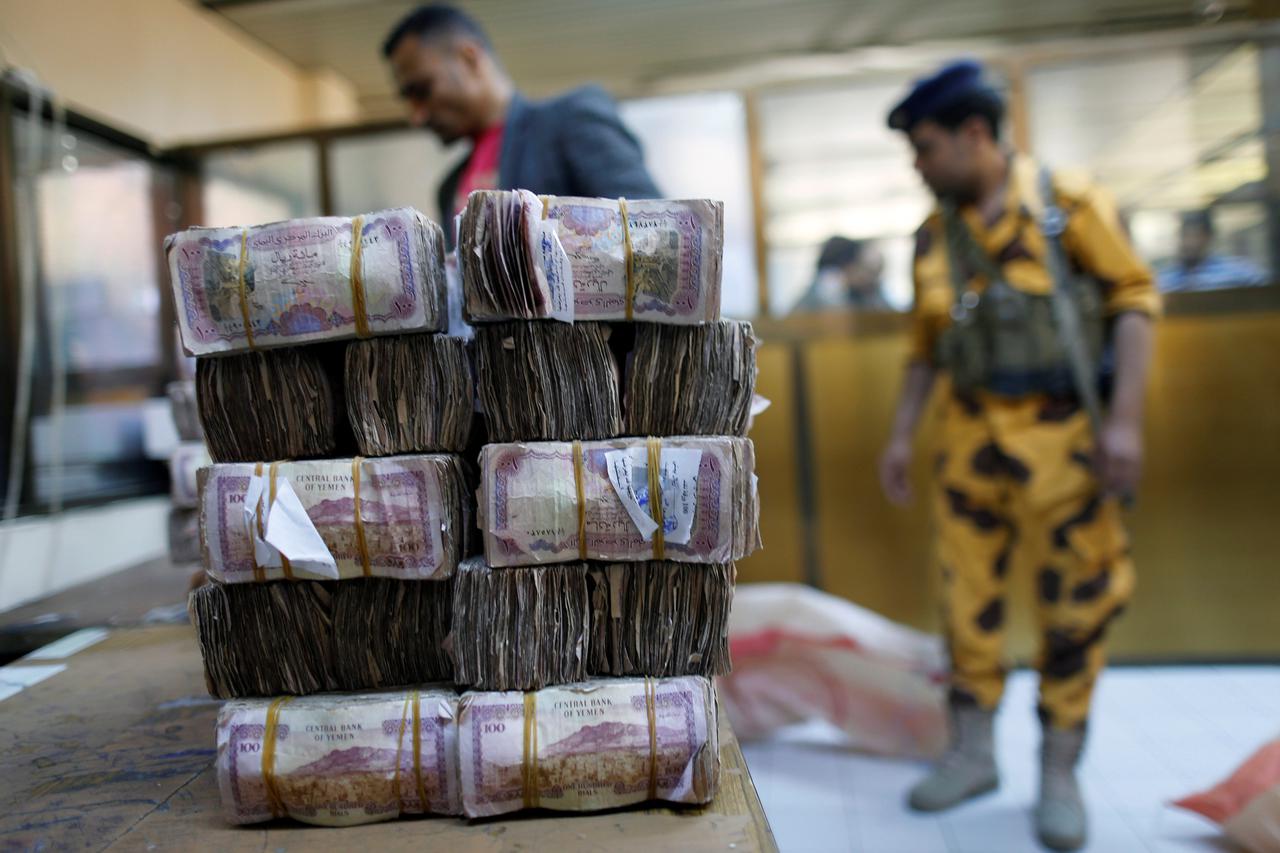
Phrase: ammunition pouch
{"type": "Point", "coordinates": [1007, 341]}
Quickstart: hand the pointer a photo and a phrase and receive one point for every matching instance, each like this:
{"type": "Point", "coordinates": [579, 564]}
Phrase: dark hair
{"type": "Point", "coordinates": [433, 21]}
{"type": "Point", "coordinates": [839, 252]}
{"type": "Point", "coordinates": [1202, 219]}
{"type": "Point", "coordinates": [985, 103]}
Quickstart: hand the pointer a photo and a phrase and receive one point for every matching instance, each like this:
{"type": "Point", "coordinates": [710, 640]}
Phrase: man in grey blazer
{"type": "Point", "coordinates": [574, 144]}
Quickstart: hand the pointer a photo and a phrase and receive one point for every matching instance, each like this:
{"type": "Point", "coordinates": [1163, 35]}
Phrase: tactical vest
{"type": "Point", "coordinates": [1012, 342]}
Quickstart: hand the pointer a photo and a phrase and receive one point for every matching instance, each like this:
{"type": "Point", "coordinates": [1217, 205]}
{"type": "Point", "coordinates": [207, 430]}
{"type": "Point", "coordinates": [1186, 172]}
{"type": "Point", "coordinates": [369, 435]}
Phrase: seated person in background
{"type": "Point", "coordinates": [1196, 268]}
{"type": "Point", "coordinates": [848, 275]}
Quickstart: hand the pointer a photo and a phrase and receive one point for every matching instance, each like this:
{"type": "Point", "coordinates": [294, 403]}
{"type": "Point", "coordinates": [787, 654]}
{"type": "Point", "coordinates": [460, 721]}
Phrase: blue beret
{"type": "Point", "coordinates": [931, 94]}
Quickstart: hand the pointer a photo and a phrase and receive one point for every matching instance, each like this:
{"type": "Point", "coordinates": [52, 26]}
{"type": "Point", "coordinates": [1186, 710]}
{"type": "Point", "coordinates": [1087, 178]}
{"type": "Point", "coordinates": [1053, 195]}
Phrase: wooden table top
{"type": "Point", "coordinates": [121, 599]}
{"type": "Point", "coordinates": [115, 752]}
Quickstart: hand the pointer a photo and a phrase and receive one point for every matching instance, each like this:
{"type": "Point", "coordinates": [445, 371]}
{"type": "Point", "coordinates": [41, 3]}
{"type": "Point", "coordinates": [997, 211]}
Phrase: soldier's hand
{"type": "Point", "coordinates": [1120, 458]}
{"type": "Point", "coordinates": [894, 464]}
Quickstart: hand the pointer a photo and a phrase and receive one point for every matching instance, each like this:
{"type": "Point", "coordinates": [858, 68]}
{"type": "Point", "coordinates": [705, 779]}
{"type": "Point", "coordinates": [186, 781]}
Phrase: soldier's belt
{"type": "Point", "coordinates": [1056, 382]}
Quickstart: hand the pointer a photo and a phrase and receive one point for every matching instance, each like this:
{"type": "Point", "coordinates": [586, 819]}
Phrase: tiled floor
{"type": "Point", "coordinates": [1158, 733]}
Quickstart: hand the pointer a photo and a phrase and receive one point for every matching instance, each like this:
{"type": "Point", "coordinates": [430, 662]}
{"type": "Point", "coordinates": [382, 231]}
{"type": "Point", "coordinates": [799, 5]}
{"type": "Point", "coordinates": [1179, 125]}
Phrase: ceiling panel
{"type": "Point", "coordinates": [637, 48]}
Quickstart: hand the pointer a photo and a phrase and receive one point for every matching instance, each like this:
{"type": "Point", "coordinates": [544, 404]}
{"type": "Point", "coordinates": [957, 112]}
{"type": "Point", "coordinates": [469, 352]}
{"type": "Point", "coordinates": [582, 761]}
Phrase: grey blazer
{"type": "Point", "coordinates": [574, 144]}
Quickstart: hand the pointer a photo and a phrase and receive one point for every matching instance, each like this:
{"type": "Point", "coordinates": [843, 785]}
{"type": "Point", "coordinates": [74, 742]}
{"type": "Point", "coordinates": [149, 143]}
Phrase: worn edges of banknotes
{"type": "Point", "coordinates": [585, 634]}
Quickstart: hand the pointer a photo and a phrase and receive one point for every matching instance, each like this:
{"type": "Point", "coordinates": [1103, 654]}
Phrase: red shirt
{"type": "Point", "coordinates": [481, 171]}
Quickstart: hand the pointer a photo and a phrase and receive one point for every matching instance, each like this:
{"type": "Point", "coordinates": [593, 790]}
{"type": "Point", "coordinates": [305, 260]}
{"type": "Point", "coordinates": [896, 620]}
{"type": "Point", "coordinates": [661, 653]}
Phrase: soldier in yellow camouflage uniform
{"type": "Point", "coordinates": [1019, 465]}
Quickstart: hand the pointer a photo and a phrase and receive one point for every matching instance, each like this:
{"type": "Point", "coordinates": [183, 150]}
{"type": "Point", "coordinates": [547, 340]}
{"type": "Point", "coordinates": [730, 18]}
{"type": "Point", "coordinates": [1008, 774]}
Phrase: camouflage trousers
{"type": "Point", "coordinates": [1016, 474]}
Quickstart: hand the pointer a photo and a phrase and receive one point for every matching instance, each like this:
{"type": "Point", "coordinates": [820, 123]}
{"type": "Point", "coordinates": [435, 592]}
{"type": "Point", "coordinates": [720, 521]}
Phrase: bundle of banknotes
{"type": "Point", "coordinates": [339, 760]}
{"type": "Point", "coordinates": [409, 394]}
{"type": "Point", "coordinates": [493, 629]}
{"type": "Point", "coordinates": [325, 519]}
{"type": "Point", "coordinates": [690, 380]}
{"type": "Point", "coordinates": [385, 396]}
{"type": "Point", "coordinates": [278, 404]}
{"type": "Point", "coordinates": [307, 280]}
{"type": "Point", "coordinates": [551, 381]}
{"type": "Point", "coordinates": [690, 499]}
{"type": "Point", "coordinates": [547, 381]}
{"type": "Point", "coordinates": [526, 628]}
{"type": "Point", "coordinates": [302, 637]}
{"type": "Point", "coordinates": [185, 462]}
{"type": "Point", "coordinates": [526, 257]}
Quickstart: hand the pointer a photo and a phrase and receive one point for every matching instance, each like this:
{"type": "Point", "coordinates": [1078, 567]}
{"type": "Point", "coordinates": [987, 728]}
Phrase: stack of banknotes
{"type": "Point", "coordinates": [344, 759]}
{"type": "Point", "coordinates": [547, 502]}
{"type": "Point", "coordinates": [185, 460]}
{"type": "Point", "coordinates": [394, 516]}
{"type": "Point", "coordinates": [526, 628]}
{"type": "Point", "coordinates": [485, 628]}
{"type": "Point", "coordinates": [307, 280]}
{"type": "Point", "coordinates": [551, 381]}
{"type": "Point", "coordinates": [182, 404]}
{"type": "Point", "coordinates": [528, 257]}
{"type": "Point", "coordinates": [302, 637]}
{"type": "Point", "coordinates": [377, 397]}
{"type": "Point", "coordinates": [401, 630]}
{"type": "Point", "coordinates": [275, 404]}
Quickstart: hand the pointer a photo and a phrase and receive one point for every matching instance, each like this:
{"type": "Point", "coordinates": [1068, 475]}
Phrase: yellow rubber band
{"type": "Point", "coordinates": [357, 278]}
{"type": "Point", "coordinates": [269, 756]}
{"type": "Point", "coordinates": [284, 561]}
{"type": "Point", "coordinates": [582, 502]}
{"type": "Point", "coordinates": [626, 245]}
{"type": "Point", "coordinates": [244, 294]}
{"type": "Point", "coordinates": [259, 573]}
{"type": "Point", "coordinates": [395, 775]}
{"type": "Point", "coordinates": [655, 498]}
{"type": "Point", "coordinates": [546, 204]}
{"type": "Point", "coordinates": [651, 708]}
{"type": "Point", "coordinates": [529, 763]}
{"type": "Point", "coordinates": [359, 522]}
{"type": "Point", "coordinates": [417, 751]}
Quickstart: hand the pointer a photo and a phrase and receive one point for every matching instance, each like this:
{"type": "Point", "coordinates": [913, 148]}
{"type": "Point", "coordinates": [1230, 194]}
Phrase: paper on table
{"type": "Point", "coordinates": [15, 679]}
{"type": "Point", "coordinates": [70, 644]}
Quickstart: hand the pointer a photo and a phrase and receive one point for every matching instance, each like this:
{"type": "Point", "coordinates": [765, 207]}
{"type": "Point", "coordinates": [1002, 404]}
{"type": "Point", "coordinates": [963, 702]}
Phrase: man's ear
{"type": "Point", "coordinates": [470, 52]}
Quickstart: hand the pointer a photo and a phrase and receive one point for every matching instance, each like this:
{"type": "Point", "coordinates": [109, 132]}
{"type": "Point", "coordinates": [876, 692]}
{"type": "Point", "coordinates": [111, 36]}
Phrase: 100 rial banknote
{"type": "Point", "coordinates": [344, 759]}
{"type": "Point", "coordinates": [588, 746]}
{"type": "Point", "coordinates": [540, 504]}
{"type": "Point", "coordinates": [525, 257]}
{"type": "Point", "coordinates": [339, 759]}
{"type": "Point", "coordinates": [302, 280]}
{"type": "Point", "coordinates": [325, 519]}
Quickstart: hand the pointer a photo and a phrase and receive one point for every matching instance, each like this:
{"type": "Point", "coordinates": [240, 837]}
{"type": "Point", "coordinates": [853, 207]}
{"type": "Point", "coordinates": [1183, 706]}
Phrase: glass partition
{"type": "Point", "coordinates": [837, 178]}
{"type": "Point", "coordinates": [392, 169]}
{"type": "Point", "coordinates": [263, 183]}
{"type": "Point", "coordinates": [1180, 145]}
{"type": "Point", "coordinates": [696, 147]}
{"type": "Point", "coordinates": [99, 351]}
